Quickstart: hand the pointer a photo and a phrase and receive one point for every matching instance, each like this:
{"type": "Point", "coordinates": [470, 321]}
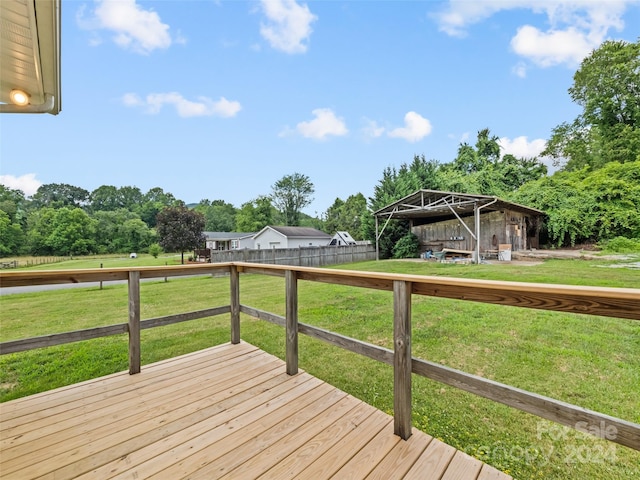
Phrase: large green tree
{"type": "Point", "coordinates": [253, 216]}
{"type": "Point", "coordinates": [58, 195]}
{"type": "Point", "coordinates": [586, 205]}
{"type": "Point", "coordinates": [290, 195]}
{"type": "Point", "coordinates": [486, 152]}
{"type": "Point", "coordinates": [180, 229]}
{"type": "Point", "coordinates": [219, 215]}
{"type": "Point", "coordinates": [482, 170]}
{"type": "Point", "coordinates": [347, 215]}
{"type": "Point", "coordinates": [607, 87]}
{"type": "Point", "coordinates": [12, 202]}
{"type": "Point", "coordinates": [61, 231]}
{"type": "Point", "coordinates": [104, 199]}
{"type": "Point", "coordinates": [394, 185]}
{"type": "Point", "coordinates": [13, 226]}
{"type": "Point", "coordinates": [11, 235]}
{"type": "Point", "coordinates": [153, 202]}
{"type": "Point", "coordinates": [110, 198]}
{"type": "Point", "coordinates": [122, 231]}
{"type": "Point", "coordinates": [108, 235]}
{"type": "Point", "coordinates": [39, 227]}
{"type": "Point", "coordinates": [137, 235]}
{"type": "Point", "coordinates": [73, 232]}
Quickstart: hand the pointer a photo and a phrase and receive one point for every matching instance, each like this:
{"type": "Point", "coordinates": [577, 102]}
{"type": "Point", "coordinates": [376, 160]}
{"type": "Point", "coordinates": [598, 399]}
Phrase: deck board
{"type": "Point", "coordinates": [225, 412]}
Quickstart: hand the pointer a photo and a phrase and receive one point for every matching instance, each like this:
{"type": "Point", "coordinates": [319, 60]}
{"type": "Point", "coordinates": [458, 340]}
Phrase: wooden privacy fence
{"type": "Point", "coordinates": [609, 302]}
{"type": "Point", "coordinates": [303, 256]}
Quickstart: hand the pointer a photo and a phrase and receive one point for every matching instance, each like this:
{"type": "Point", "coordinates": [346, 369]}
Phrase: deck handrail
{"type": "Point", "coordinates": [603, 301]}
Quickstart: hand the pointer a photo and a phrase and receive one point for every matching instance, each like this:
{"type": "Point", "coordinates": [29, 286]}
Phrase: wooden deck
{"type": "Point", "coordinates": [226, 412]}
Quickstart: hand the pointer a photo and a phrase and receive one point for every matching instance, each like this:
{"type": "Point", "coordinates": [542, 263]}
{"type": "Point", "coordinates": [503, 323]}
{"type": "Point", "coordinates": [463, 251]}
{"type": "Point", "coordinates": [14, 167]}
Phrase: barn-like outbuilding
{"type": "Point", "coordinates": [475, 225]}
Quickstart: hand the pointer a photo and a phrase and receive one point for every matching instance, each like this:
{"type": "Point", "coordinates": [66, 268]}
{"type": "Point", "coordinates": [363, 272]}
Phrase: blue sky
{"type": "Point", "coordinates": [220, 99]}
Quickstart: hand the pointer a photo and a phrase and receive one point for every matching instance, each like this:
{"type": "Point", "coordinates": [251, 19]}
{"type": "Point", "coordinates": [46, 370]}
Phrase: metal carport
{"type": "Point", "coordinates": [438, 205]}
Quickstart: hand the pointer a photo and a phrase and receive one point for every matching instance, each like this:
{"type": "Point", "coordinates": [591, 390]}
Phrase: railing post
{"type": "Point", "coordinates": [234, 284]}
{"type": "Point", "coordinates": [291, 279]}
{"type": "Point", "coordinates": [134, 322]}
{"type": "Point", "coordinates": [402, 359]}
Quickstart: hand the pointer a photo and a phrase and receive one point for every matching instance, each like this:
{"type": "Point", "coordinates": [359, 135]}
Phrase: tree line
{"type": "Point", "coordinates": [594, 195]}
{"type": "Point", "coordinates": [62, 219]}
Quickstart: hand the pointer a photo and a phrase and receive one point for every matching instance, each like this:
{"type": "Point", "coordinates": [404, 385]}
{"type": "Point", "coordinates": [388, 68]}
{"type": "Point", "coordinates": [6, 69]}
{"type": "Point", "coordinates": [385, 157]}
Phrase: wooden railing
{"type": "Point", "coordinates": [610, 302]}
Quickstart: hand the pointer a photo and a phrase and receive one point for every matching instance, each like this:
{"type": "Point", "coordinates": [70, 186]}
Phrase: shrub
{"type": "Point", "coordinates": [407, 247]}
{"type": "Point", "coordinates": [155, 250]}
{"type": "Point", "coordinates": [622, 245]}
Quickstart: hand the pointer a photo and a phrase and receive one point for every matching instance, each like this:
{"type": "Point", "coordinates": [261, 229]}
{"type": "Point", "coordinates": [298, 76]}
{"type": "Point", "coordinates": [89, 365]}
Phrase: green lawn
{"type": "Point", "coordinates": [593, 362]}
{"type": "Point", "coordinates": [99, 261]}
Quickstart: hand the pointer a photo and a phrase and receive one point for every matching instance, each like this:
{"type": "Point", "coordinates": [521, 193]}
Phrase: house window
{"type": "Point", "coordinates": [234, 244]}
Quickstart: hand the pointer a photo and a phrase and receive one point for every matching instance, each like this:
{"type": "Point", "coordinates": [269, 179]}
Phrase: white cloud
{"type": "Point", "coordinates": [575, 26]}
{"type": "Point", "coordinates": [371, 129]}
{"type": "Point", "coordinates": [203, 107]}
{"type": "Point", "coordinates": [288, 26]}
{"type": "Point", "coordinates": [324, 124]}
{"type": "Point", "coordinates": [27, 183]}
{"type": "Point", "coordinates": [522, 148]}
{"type": "Point", "coordinates": [132, 100]}
{"type": "Point", "coordinates": [459, 137]}
{"type": "Point", "coordinates": [462, 13]}
{"type": "Point", "coordinates": [553, 47]}
{"type": "Point", "coordinates": [520, 70]}
{"type": "Point", "coordinates": [416, 127]}
{"type": "Point", "coordinates": [134, 28]}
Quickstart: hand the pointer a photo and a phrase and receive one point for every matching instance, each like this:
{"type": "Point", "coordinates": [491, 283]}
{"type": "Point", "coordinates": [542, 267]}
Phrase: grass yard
{"type": "Point", "coordinates": [593, 362]}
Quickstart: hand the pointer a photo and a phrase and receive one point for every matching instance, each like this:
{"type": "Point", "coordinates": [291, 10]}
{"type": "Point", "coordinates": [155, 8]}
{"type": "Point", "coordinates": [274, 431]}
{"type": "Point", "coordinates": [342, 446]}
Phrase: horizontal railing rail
{"type": "Point", "coordinates": [14, 346]}
{"type": "Point", "coordinates": [610, 302]}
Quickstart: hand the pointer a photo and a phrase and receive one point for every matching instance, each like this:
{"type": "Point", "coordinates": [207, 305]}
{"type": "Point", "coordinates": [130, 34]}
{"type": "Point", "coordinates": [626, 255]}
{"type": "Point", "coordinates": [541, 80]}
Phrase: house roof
{"type": "Point", "coordinates": [30, 55]}
{"type": "Point", "coordinates": [435, 205]}
{"type": "Point", "coordinates": [227, 235]}
{"type": "Point", "coordinates": [297, 232]}
{"type": "Point", "coordinates": [344, 236]}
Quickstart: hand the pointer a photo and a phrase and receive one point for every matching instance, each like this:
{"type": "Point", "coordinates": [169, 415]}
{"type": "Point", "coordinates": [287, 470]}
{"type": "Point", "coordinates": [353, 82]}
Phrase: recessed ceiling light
{"type": "Point", "coordinates": [19, 97]}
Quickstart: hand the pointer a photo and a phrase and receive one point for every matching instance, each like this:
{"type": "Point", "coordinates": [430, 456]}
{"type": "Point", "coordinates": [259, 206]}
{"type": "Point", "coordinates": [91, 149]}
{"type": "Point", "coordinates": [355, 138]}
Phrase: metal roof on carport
{"type": "Point", "coordinates": [438, 204]}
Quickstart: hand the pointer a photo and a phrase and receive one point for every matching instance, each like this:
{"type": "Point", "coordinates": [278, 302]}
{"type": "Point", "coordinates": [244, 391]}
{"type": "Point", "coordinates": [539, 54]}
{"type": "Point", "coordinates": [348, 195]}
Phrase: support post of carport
{"type": "Point", "coordinates": [377, 248]}
{"type": "Point", "coordinates": [476, 218]}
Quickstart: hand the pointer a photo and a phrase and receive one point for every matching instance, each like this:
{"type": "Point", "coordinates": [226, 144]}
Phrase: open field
{"type": "Point", "coordinates": [590, 361]}
{"type": "Point", "coordinates": [95, 261]}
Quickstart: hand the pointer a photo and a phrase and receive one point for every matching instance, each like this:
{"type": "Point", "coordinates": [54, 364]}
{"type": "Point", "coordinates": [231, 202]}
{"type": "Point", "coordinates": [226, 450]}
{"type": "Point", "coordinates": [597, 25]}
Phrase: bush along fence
{"type": "Point", "coordinates": [301, 257]}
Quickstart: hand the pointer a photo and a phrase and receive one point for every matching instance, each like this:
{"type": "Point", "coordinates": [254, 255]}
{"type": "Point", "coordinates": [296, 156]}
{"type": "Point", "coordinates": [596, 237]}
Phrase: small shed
{"type": "Point", "coordinates": [290, 237]}
{"type": "Point", "coordinates": [477, 224]}
{"type": "Point", "coordinates": [342, 238]}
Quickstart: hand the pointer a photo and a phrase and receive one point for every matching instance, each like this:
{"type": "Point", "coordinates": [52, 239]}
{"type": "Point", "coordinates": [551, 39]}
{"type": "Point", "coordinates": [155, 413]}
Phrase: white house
{"type": "Point", "coordinates": [228, 240]}
{"type": "Point", "coordinates": [290, 237]}
{"type": "Point", "coordinates": [342, 238]}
